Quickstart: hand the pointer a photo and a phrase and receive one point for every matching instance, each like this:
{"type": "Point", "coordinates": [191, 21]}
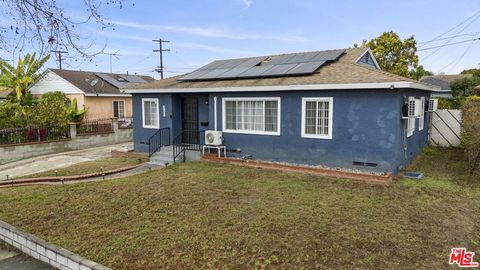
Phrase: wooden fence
{"type": "Point", "coordinates": [445, 128]}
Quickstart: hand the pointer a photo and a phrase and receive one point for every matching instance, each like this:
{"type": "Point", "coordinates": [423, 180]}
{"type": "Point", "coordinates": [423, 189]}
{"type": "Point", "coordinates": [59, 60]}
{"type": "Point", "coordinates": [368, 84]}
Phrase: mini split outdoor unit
{"type": "Point", "coordinates": [412, 108]}
{"type": "Point", "coordinates": [213, 137]}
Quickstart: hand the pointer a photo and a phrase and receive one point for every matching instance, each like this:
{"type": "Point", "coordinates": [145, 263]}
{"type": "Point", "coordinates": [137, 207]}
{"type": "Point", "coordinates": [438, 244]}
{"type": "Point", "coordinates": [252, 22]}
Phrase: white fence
{"type": "Point", "coordinates": [445, 128]}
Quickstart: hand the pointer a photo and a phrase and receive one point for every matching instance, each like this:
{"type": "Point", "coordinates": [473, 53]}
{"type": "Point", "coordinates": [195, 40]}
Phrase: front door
{"type": "Point", "coordinates": [190, 120]}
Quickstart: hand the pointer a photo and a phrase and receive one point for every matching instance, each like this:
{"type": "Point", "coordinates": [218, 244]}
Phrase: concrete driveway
{"type": "Point", "coordinates": [55, 161]}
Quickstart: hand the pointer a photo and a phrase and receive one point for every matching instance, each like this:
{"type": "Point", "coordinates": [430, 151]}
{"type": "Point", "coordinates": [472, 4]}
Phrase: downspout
{"type": "Point", "coordinates": [215, 112]}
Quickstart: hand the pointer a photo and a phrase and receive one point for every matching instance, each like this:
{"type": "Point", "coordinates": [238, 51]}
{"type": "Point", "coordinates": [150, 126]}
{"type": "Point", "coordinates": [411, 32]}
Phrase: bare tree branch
{"type": "Point", "coordinates": [45, 25]}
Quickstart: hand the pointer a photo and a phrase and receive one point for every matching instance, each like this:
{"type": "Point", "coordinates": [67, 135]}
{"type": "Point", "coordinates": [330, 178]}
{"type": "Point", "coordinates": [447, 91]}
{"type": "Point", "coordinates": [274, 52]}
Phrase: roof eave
{"type": "Point", "coordinates": [340, 86]}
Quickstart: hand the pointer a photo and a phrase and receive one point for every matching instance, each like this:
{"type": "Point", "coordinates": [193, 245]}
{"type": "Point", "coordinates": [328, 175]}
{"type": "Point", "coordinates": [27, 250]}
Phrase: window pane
{"type": "Point", "coordinates": [115, 109]}
{"type": "Point", "coordinates": [322, 118]}
{"type": "Point", "coordinates": [231, 114]}
{"type": "Point", "coordinates": [310, 117]}
{"type": "Point", "coordinates": [153, 113]}
{"type": "Point", "coordinates": [146, 116]}
{"type": "Point", "coordinates": [121, 109]}
{"type": "Point", "coordinates": [271, 116]}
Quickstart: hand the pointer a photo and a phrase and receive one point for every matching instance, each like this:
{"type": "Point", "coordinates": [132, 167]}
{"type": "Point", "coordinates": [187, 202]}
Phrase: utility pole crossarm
{"type": "Point", "coordinates": [160, 51]}
{"type": "Point", "coordinates": [59, 57]}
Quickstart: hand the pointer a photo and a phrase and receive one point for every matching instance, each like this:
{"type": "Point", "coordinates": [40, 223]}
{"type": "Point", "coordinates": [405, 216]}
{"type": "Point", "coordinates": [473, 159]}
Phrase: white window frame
{"type": "Point", "coordinates": [411, 127]}
{"type": "Point", "coordinates": [432, 104]}
{"type": "Point", "coordinates": [421, 119]}
{"type": "Point", "coordinates": [113, 108]}
{"type": "Point", "coordinates": [143, 113]}
{"type": "Point", "coordinates": [255, 132]}
{"type": "Point", "coordinates": [328, 136]}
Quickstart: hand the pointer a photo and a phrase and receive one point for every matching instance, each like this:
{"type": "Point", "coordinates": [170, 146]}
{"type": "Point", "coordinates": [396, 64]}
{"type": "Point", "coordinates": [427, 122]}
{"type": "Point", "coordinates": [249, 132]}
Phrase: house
{"type": "Point", "coordinates": [327, 108]}
{"type": "Point", "coordinates": [101, 93]}
{"type": "Point", "coordinates": [4, 93]}
{"type": "Point", "coordinates": [443, 81]}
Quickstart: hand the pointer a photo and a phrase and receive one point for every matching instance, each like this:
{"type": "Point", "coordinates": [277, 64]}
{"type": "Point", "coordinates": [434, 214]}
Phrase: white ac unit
{"type": "Point", "coordinates": [413, 108]}
{"type": "Point", "coordinates": [432, 104]}
{"type": "Point", "coordinates": [213, 137]}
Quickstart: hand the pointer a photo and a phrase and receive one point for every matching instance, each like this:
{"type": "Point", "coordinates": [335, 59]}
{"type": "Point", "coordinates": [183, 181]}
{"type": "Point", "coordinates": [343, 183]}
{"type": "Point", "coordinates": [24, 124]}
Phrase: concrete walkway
{"type": "Point", "coordinates": [12, 259]}
{"type": "Point", "coordinates": [55, 161]}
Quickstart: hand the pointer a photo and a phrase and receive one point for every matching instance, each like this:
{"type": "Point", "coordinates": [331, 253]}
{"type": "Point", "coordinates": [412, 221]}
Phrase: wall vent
{"type": "Point", "coordinates": [365, 164]}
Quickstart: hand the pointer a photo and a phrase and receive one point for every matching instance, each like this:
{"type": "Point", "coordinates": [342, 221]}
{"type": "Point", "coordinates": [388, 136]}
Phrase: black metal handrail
{"type": "Point", "coordinates": [157, 140]}
{"type": "Point", "coordinates": [180, 146]}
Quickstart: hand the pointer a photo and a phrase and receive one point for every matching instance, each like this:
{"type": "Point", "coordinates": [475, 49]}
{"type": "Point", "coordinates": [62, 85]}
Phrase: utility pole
{"type": "Point", "coordinates": [115, 54]}
{"type": "Point", "coordinates": [160, 50]}
{"type": "Point", "coordinates": [59, 57]}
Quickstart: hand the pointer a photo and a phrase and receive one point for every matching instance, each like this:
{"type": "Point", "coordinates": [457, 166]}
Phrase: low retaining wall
{"type": "Point", "coordinates": [10, 153]}
{"type": "Point", "coordinates": [41, 250]}
{"type": "Point", "coordinates": [364, 177]}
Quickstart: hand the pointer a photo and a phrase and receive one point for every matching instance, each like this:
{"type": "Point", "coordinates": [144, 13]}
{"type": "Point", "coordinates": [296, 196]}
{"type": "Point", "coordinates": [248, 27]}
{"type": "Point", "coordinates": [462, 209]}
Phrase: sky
{"type": "Point", "coordinates": [202, 31]}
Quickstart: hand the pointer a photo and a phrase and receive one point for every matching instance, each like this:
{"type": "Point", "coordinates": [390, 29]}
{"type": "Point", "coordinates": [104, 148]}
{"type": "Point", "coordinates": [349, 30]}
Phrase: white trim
{"type": "Point", "coordinates": [329, 136]}
{"type": "Point", "coordinates": [421, 119]}
{"type": "Point", "coordinates": [106, 95]}
{"type": "Point", "coordinates": [411, 131]}
{"type": "Point", "coordinates": [339, 86]}
{"type": "Point", "coordinates": [157, 126]}
{"type": "Point", "coordinates": [369, 51]}
{"type": "Point", "coordinates": [215, 112]}
{"type": "Point", "coordinates": [255, 132]}
{"type": "Point", "coordinates": [124, 109]}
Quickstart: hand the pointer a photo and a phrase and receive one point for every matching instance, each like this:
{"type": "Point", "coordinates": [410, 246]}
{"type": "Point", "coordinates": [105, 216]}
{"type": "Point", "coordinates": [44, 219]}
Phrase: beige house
{"type": "Point", "coordinates": [101, 93]}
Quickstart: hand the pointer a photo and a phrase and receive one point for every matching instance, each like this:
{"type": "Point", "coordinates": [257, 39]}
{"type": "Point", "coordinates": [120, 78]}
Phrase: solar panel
{"type": "Point", "coordinates": [278, 70]}
{"type": "Point", "coordinates": [286, 64]}
{"type": "Point", "coordinates": [305, 68]}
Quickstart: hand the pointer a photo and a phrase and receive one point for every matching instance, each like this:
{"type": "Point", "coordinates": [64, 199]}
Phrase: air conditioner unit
{"type": "Point", "coordinates": [432, 104]}
{"type": "Point", "coordinates": [213, 137]}
{"type": "Point", "coordinates": [413, 108]}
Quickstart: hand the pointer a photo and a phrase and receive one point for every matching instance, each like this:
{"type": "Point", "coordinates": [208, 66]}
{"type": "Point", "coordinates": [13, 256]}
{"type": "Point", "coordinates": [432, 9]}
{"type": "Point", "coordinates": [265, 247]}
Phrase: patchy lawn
{"type": "Point", "coordinates": [88, 167]}
{"type": "Point", "coordinates": [202, 215]}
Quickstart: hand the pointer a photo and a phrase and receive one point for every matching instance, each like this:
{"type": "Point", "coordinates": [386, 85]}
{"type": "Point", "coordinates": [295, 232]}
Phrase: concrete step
{"type": "Point", "coordinates": [163, 157]}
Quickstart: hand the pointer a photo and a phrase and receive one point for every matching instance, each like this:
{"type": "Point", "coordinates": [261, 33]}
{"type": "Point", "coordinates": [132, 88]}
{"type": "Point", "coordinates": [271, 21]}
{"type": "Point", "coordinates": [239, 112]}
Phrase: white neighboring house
{"type": "Point", "coordinates": [101, 93]}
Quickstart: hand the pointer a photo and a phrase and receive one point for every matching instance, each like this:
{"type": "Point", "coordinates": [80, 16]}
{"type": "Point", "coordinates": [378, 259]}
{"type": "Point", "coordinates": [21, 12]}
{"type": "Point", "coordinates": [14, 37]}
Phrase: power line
{"type": "Point", "coordinates": [59, 57]}
{"type": "Point", "coordinates": [475, 17]}
{"type": "Point", "coordinates": [451, 29]}
{"type": "Point", "coordinates": [160, 51]}
{"type": "Point", "coordinates": [461, 56]}
{"type": "Point", "coordinates": [445, 38]}
{"type": "Point", "coordinates": [447, 44]}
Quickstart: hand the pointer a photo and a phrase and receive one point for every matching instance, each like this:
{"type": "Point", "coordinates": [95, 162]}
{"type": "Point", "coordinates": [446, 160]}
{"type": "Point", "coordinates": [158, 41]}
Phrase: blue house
{"type": "Point", "coordinates": [333, 108]}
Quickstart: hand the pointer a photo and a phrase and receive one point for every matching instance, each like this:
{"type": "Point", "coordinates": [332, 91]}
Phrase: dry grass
{"type": "Point", "coordinates": [202, 215]}
{"type": "Point", "coordinates": [90, 167]}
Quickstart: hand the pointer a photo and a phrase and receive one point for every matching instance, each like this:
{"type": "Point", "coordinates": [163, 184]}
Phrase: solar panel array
{"type": "Point", "coordinates": [270, 66]}
{"type": "Point", "coordinates": [125, 82]}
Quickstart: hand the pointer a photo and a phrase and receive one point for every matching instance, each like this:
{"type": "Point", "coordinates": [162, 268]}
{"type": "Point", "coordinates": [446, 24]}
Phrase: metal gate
{"type": "Point", "coordinates": [190, 120]}
{"type": "Point", "coordinates": [445, 128]}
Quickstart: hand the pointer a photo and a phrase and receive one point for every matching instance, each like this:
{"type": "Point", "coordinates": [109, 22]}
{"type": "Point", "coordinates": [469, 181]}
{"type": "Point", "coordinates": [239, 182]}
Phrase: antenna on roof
{"type": "Point", "coordinates": [115, 54]}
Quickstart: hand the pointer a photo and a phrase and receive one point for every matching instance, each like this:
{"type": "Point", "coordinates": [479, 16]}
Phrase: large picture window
{"type": "Point", "coordinates": [150, 113]}
{"type": "Point", "coordinates": [251, 115]}
{"type": "Point", "coordinates": [317, 118]}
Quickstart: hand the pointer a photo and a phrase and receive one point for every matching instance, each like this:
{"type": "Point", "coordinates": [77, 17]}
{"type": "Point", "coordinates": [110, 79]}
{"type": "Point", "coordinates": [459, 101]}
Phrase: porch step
{"type": "Point", "coordinates": [163, 157]}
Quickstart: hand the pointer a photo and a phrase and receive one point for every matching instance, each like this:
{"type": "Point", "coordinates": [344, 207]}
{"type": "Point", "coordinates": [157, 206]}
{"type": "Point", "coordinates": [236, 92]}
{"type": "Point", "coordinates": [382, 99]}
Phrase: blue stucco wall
{"type": "Point", "coordinates": [141, 134]}
{"type": "Point", "coordinates": [367, 127]}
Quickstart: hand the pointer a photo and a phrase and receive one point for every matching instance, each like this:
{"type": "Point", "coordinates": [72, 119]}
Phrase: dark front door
{"type": "Point", "coordinates": [190, 120]}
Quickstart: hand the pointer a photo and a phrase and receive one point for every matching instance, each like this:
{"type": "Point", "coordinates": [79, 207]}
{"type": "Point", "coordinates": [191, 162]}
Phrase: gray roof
{"type": "Point", "coordinates": [444, 85]}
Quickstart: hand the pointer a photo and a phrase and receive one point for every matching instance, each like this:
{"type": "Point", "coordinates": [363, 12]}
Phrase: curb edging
{"type": "Point", "coordinates": [44, 251]}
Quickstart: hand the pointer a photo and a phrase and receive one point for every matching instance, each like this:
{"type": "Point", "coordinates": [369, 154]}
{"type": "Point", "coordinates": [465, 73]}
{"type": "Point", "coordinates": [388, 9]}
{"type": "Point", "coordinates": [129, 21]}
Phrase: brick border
{"type": "Point", "coordinates": [39, 249]}
{"type": "Point", "coordinates": [56, 179]}
{"type": "Point", "coordinates": [364, 177]}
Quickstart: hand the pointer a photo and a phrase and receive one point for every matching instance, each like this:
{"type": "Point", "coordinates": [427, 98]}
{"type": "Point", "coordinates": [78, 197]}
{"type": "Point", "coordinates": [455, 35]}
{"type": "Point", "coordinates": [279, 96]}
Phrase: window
{"type": "Point", "coordinates": [119, 108]}
{"type": "Point", "coordinates": [251, 115]}
{"type": "Point", "coordinates": [150, 113]}
{"type": "Point", "coordinates": [421, 119]}
{"type": "Point", "coordinates": [317, 118]}
{"type": "Point", "coordinates": [411, 120]}
{"type": "Point", "coordinates": [432, 104]}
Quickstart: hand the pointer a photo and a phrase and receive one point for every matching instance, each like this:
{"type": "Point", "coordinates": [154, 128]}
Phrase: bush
{"type": "Point", "coordinates": [51, 110]}
{"type": "Point", "coordinates": [471, 134]}
{"type": "Point", "coordinates": [11, 115]}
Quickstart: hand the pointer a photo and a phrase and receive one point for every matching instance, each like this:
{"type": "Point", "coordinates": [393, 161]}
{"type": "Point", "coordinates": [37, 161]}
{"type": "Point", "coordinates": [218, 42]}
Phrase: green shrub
{"type": "Point", "coordinates": [51, 110]}
{"type": "Point", "coordinates": [429, 151]}
{"type": "Point", "coordinates": [471, 134]}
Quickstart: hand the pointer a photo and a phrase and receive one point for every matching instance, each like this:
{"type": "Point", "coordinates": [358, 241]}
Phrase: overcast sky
{"type": "Point", "coordinates": [202, 31]}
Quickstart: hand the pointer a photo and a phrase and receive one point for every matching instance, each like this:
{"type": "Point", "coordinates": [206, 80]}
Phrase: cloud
{"type": "Point", "coordinates": [189, 45]}
{"type": "Point", "coordinates": [212, 32]}
{"type": "Point", "coordinates": [247, 3]}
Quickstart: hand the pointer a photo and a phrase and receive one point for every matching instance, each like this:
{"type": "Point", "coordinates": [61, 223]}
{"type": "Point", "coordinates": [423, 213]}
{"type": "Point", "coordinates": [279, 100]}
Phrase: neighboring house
{"type": "Point", "coordinates": [443, 81]}
{"type": "Point", "coordinates": [4, 93]}
{"type": "Point", "coordinates": [330, 108]}
{"type": "Point", "coordinates": [101, 93]}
